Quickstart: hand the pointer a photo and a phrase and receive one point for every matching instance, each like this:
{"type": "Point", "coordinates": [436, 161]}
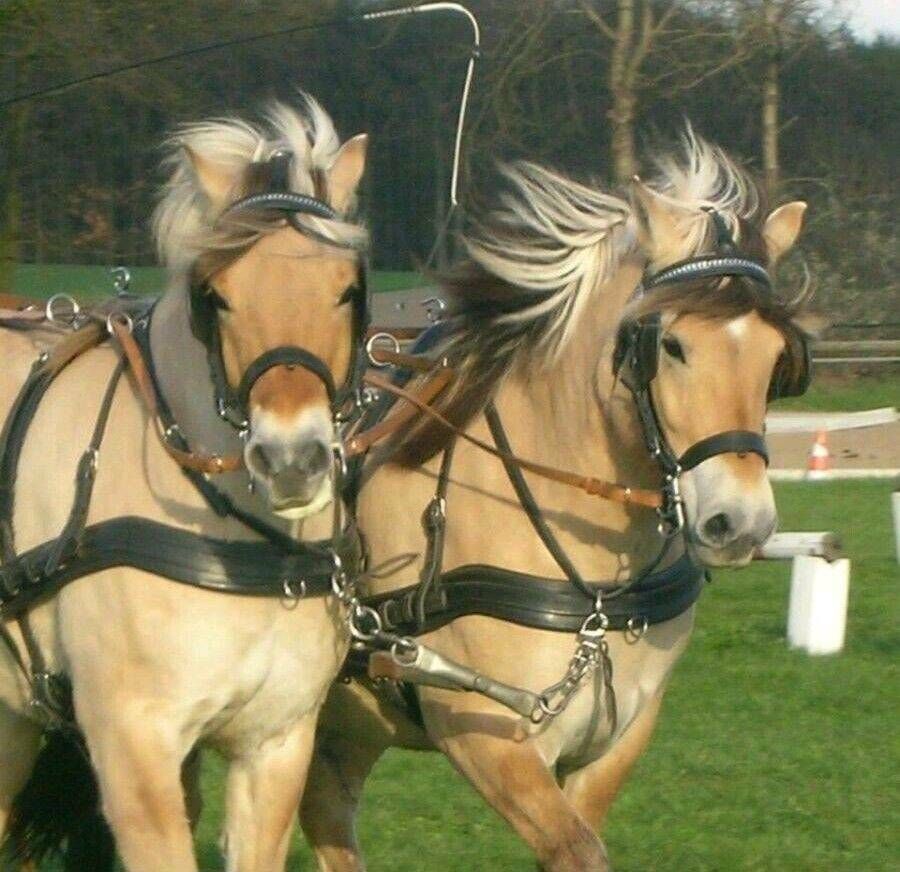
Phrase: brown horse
{"type": "Point", "coordinates": [579, 371]}
{"type": "Point", "coordinates": [264, 315]}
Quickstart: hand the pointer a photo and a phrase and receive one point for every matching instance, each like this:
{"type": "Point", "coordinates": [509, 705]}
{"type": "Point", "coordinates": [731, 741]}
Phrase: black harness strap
{"type": "Point", "coordinates": [285, 355]}
{"type": "Point", "coordinates": [543, 603]}
{"type": "Point", "coordinates": [249, 567]}
{"type": "Point", "coordinates": [726, 442]}
{"type": "Point", "coordinates": [85, 477]}
{"type": "Point", "coordinates": [530, 506]}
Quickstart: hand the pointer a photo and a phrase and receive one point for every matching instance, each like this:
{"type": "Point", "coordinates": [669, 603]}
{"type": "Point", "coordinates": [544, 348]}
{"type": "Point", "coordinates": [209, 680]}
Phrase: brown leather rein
{"type": "Point", "coordinates": [417, 402]}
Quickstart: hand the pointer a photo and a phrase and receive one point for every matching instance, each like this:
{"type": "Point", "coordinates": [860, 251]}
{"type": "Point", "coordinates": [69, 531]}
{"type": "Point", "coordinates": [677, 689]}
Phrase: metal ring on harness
{"type": "Point", "coordinates": [636, 628]}
{"type": "Point", "coordinates": [65, 316]}
{"type": "Point", "coordinates": [123, 319]}
{"type": "Point", "coordinates": [381, 337]}
{"type": "Point", "coordinates": [404, 651]}
{"type": "Point", "coordinates": [294, 591]}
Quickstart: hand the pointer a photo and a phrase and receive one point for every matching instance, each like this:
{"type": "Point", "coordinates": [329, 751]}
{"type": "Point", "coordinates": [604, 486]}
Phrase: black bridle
{"type": "Point", "coordinates": [233, 404]}
{"type": "Point", "coordinates": [636, 357]}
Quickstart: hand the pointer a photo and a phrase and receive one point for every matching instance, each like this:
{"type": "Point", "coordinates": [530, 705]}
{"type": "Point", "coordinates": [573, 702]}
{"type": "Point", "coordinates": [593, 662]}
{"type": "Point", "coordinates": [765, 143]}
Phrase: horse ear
{"type": "Point", "coordinates": [782, 228]}
{"type": "Point", "coordinates": [658, 226]}
{"type": "Point", "coordinates": [346, 171]}
{"type": "Point", "coordinates": [214, 179]}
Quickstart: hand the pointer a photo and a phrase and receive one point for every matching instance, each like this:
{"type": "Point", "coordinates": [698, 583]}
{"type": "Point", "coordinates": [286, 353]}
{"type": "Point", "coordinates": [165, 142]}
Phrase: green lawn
{"type": "Point", "coordinates": [765, 759]}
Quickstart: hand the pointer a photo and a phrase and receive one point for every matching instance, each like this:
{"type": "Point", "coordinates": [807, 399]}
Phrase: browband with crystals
{"type": "Point", "coordinates": [713, 266]}
{"type": "Point", "coordinates": [285, 201]}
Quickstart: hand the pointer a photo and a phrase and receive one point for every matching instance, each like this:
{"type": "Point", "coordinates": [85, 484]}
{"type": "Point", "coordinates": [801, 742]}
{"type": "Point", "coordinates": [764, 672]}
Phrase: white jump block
{"type": "Point", "coordinates": [895, 504]}
{"type": "Point", "coordinates": [817, 614]}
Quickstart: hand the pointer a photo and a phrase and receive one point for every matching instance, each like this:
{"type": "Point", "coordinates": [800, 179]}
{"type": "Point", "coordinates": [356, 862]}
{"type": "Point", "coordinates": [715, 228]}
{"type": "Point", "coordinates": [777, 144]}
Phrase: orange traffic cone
{"type": "Point", "coordinates": [818, 464]}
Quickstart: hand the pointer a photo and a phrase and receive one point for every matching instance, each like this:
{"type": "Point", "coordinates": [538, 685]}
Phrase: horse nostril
{"type": "Point", "coordinates": [313, 458]}
{"type": "Point", "coordinates": [717, 528]}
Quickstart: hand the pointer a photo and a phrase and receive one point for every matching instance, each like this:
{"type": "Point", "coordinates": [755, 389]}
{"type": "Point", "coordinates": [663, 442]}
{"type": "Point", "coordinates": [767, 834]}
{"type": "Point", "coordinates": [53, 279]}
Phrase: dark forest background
{"type": "Point", "coordinates": [587, 86]}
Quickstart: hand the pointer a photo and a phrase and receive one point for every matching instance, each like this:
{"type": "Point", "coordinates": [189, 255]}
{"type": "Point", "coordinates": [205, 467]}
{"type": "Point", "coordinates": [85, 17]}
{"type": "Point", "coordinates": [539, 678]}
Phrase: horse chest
{"type": "Point", "coordinates": [599, 716]}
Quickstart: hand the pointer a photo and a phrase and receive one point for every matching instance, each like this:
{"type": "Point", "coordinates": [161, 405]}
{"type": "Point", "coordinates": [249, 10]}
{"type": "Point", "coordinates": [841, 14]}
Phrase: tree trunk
{"type": "Point", "coordinates": [622, 88]}
{"type": "Point", "coordinates": [623, 147]}
{"type": "Point", "coordinates": [771, 98]}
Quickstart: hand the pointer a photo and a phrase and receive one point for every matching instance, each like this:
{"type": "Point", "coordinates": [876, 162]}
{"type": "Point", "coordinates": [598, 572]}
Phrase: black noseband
{"type": "Point", "coordinates": [727, 442]}
{"type": "Point", "coordinates": [289, 356]}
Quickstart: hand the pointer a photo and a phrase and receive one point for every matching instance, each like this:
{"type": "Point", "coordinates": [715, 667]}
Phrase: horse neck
{"type": "Point", "coordinates": [183, 376]}
{"type": "Point", "coordinates": [577, 416]}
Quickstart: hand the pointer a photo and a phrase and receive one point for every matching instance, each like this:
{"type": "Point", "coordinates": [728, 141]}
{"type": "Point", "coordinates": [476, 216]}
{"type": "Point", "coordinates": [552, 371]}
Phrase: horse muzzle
{"type": "Point", "coordinates": [294, 468]}
{"type": "Point", "coordinates": [729, 517]}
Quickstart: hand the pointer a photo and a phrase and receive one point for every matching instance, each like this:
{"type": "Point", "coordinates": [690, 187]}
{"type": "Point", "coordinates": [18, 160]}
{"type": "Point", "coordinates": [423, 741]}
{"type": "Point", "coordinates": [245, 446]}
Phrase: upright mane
{"type": "Point", "coordinates": [187, 224]}
{"type": "Point", "coordinates": [543, 255]}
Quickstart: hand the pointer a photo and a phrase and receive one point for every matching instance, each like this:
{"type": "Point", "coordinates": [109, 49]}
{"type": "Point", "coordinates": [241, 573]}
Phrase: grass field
{"type": "Point", "coordinates": [765, 759]}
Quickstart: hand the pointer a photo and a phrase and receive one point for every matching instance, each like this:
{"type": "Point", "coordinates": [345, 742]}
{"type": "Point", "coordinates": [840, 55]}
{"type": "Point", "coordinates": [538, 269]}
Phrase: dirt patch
{"type": "Point", "coordinates": [868, 447]}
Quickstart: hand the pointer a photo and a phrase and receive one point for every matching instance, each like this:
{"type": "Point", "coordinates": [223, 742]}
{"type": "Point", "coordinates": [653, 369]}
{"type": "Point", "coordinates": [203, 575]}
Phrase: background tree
{"type": "Point", "coordinates": [78, 168]}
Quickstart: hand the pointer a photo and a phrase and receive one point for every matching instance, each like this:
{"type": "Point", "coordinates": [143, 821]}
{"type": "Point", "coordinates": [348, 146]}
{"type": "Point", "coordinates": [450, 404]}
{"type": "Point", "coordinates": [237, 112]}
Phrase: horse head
{"type": "Point", "coordinates": [712, 345]}
{"type": "Point", "coordinates": [277, 287]}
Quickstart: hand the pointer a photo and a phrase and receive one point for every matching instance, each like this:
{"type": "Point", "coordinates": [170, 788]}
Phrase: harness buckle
{"type": "Point", "coordinates": [671, 512]}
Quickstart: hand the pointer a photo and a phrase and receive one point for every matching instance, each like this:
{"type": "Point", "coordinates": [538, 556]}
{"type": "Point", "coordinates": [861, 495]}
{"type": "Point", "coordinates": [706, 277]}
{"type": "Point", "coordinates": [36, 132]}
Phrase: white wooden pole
{"type": "Point", "coordinates": [817, 614]}
{"type": "Point", "coordinates": [895, 504]}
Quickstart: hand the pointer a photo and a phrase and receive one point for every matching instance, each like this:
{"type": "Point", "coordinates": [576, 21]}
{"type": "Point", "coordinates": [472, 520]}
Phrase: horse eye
{"type": "Point", "coordinates": [347, 296]}
{"type": "Point", "coordinates": [673, 348]}
{"type": "Point", "coordinates": [218, 301]}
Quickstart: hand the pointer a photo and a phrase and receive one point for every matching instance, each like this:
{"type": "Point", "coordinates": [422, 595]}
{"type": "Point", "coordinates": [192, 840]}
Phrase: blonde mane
{"type": "Point", "coordinates": [186, 223]}
{"type": "Point", "coordinates": [543, 257]}
{"type": "Point", "coordinates": [555, 241]}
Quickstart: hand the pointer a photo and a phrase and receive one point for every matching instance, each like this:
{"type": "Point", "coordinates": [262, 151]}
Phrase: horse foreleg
{"type": "Point", "coordinates": [515, 780]}
{"type": "Point", "coordinates": [333, 790]}
{"type": "Point", "coordinates": [262, 796]}
{"type": "Point", "coordinates": [19, 743]}
{"type": "Point", "coordinates": [592, 789]}
{"type": "Point", "coordinates": [138, 762]}
{"type": "Point", "coordinates": [190, 781]}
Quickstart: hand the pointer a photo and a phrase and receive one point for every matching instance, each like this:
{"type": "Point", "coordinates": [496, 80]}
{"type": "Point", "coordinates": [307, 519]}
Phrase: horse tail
{"type": "Point", "coordinates": [57, 813]}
